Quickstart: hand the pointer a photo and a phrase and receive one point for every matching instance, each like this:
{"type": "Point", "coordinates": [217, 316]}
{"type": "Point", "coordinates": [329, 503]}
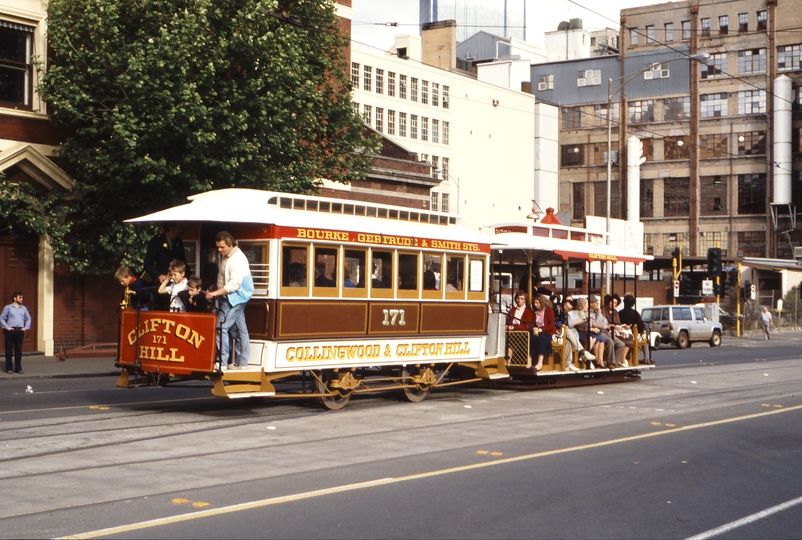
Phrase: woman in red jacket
{"type": "Point", "coordinates": [539, 323]}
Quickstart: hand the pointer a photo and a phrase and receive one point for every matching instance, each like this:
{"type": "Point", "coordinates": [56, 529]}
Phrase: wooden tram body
{"type": "Point", "coordinates": [349, 297]}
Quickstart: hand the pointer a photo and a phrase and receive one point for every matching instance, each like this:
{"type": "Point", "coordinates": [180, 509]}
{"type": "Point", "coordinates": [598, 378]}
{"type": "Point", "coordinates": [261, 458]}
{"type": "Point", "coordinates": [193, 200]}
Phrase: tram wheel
{"type": "Point", "coordinates": [337, 398]}
{"type": "Point", "coordinates": [417, 393]}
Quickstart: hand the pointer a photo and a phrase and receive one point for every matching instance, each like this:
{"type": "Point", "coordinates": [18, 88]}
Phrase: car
{"type": "Point", "coordinates": [681, 326]}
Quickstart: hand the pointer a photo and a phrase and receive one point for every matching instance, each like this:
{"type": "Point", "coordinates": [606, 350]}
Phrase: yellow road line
{"type": "Point", "coordinates": [76, 407]}
{"type": "Point", "coordinates": [387, 481]}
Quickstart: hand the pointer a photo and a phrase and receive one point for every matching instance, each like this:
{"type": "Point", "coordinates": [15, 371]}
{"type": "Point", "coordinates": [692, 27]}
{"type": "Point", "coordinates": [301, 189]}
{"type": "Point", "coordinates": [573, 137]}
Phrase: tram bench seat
{"type": "Point", "coordinates": [636, 345]}
{"type": "Point", "coordinates": [518, 354]}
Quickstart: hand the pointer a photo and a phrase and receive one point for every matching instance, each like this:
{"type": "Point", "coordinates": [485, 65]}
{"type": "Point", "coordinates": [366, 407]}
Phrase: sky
{"type": "Point", "coordinates": [543, 16]}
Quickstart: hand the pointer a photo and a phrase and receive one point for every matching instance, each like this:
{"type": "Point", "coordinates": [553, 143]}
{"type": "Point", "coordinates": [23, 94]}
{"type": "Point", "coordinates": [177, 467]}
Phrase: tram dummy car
{"type": "Point", "coordinates": [349, 297]}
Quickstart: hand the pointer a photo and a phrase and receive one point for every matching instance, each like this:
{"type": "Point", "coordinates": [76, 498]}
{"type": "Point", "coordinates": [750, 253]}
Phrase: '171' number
{"type": "Point", "coordinates": [394, 317]}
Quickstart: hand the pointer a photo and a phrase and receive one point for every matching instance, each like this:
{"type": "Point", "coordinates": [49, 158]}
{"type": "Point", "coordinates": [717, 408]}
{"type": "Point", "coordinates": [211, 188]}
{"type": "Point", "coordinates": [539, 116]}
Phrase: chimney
{"type": "Point", "coordinates": [440, 44]}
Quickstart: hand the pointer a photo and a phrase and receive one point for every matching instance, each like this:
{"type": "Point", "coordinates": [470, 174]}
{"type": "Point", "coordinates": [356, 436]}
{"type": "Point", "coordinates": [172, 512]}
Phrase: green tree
{"type": "Point", "coordinates": [165, 98]}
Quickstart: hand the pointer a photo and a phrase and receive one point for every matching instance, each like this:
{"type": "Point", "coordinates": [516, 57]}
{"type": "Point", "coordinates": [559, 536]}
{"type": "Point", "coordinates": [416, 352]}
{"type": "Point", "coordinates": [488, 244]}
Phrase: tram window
{"type": "Point", "coordinates": [354, 269]}
{"type": "Point", "coordinates": [372, 211]}
{"type": "Point", "coordinates": [285, 202]}
{"type": "Point", "coordinates": [414, 216]}
{"type": "Point", "coordinates": [298, 203]}
{"type": "Point", "coordinates": [432, 270]}
{"type": "Point", "coordinates": [393, 214]}
{"type": "Point", "coordinates": [433, 219]}
{"type": "Point", "coordinates": [311, 205]}
{"type": "Point", "coordinates": [325, 267]}
{"type": "Point", "coordinates": [382, 276]}
{"type": "Point", "coordinates": [455, 273]}
{"type": "Point", "coordinates": [476, 275]}
{"type": "Point", "coordinates": [258, 261]}
{"type": "Point", "coordinates": [359, 210]}
{"type": "Point", "coordinates": [324, 206]}
{"type": "Point", "coordinates": [348, 209]}
{"type": "Point", "coordinates": [404, 215]}
{"type": "Point", "coordinates": [408, 272]}
{"type": "Point", "coordinates": [443, 220]}
{"type": "Point", "coordinates": [336, 208]}
{"type": "Point", "coordinates": [293, 266]}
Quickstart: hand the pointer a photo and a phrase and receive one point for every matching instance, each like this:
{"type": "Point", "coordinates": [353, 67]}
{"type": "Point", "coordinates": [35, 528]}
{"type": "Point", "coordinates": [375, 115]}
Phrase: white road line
{"type": "Point", "coordinates": [747, 520]}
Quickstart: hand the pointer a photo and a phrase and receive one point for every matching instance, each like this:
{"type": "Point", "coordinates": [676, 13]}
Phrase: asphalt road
{"type": "Point", "coordinates": [710, 437]}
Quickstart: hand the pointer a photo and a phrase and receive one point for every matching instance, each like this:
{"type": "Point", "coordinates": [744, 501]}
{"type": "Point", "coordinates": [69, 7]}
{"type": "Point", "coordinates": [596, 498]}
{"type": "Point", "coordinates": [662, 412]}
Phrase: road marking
{"type": "Point", "coordinates": [747, 520]}
{"type": "Point", "coordinates": [387, 481]}
{"type": "Point", "coordinates": [77, 407]}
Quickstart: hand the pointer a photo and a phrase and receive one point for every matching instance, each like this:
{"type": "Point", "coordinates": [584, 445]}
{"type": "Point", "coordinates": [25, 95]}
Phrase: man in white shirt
{"type": "Point", "coordinates": [234, 289]}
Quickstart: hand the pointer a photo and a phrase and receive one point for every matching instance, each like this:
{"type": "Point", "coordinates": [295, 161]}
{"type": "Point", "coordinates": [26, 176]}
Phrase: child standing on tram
{"type": "Point", "coordinates": [175, 285]}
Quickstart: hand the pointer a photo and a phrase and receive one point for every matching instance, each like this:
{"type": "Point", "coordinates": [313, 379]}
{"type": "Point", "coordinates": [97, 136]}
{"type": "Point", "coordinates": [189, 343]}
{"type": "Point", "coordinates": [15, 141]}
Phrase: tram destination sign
{"type": "Point", "coordinates": [378, 239]}
{"type": "Point", "coordinates": [179, 343]}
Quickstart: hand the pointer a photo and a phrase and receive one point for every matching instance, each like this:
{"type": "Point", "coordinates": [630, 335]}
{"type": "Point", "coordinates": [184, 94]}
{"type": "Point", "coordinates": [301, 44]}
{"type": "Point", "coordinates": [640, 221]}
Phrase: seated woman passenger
{"type": "Point", "coordinates": [539, 323]}
{"type": "Point", "coordinates": [578, 320]}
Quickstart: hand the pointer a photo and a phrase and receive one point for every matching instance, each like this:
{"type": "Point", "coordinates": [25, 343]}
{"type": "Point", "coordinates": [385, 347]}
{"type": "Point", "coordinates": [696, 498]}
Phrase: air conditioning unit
{"type": "Point", "coordinates": [542, 86]}
{"type": "Point", "coordinates": [581, 82]}
{"type": "Point", "coordinates": [596, 80]}
{"type": "Point", "coordinates": [588, 73]}
{"type": "Point", "coordinates": [648, 75]}
{"type": "Point", "coordinates": [664, 74]}
{"type": "Point", "coordinates": [797, 252]}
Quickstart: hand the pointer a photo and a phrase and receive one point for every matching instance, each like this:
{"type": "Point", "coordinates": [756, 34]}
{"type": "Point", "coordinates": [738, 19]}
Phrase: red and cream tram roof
{"type": "Point", "coordinates": [567, 242]}
{"type": "Point", "coordinates": [323, 218]}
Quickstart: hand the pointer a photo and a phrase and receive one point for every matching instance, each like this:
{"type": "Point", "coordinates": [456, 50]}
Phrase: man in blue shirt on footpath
{"type": "Point", "coordinates": [15, 321]}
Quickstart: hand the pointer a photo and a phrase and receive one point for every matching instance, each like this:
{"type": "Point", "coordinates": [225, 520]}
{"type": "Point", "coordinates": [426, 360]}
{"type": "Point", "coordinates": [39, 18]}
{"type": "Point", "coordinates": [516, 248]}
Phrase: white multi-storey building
{"type": "Point", "coordinates": [482, 140]}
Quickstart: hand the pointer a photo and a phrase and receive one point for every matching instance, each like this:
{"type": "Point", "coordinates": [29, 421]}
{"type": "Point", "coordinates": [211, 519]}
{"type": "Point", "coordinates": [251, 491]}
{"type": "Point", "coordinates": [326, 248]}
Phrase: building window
{"type": "Point", "coordinates": [380, 119]}
{"type": "Point", "coordinates": [743, 22]}
{"type": "Point", "coordinates": [641, 111]}
{"type": "Point", "coordinates": [675, 240]}
{"type": "Point", "coordinates": [752, 143]}
{"type": "Point", "coordinates": [402, 124]}
{"type": "Point", "coordinates": [648, 149]}
{"type": "Point", "coordinates": [706, 27]}
{"type": "Point", "coordinates": [545, 82]}
{"type": "Point", "coordinates": [435, 95]}
{"type": "Point", "coordinates": [589, 77]}
{"type": "Point", "coordinates": [751, 244]}
{"type": "Point", "coordinates": [713, 195]}
{"type": "Point", "coordinates": [446, 163]}
{"type": "Point", "coordinates": [752, 102]}
{"type": "Point", "coordinates": [435, 167]}
{"type": "Point", "coordinates": [650, 34]}
{"type": "Point", "coordinates": [723, 24]}
{"type": "Point", "coordinates": [599, 156]}
{"type": "Point", "coordinates": [646, 197]}
{"type": "Point", "coordinates": [367, 115]}
{"type": "Point", "coordinates": [686, 30]}
{"type": "Point", "coordinates": [402, 83]}
{"type": "Point", "coordinates": [715, 66]}
{"type": "Point", "coordinates": [355, 75]}
{"type": "Point", "coordinates": [714, 105]}
{"type": "Point", "coordinates": [788, 58]}
{"type": "Point", "coordinates": [713, 145]}
{"type": "Point", "coordinates": [751, 194]}
{"type": "Point", "coordinates": [379, 81]}
{"type": "Point", "coordinates": [669, 32]}
{"type": "Point", "coordinates": [367, 78]}
{"type": "Point", "coordinates": [572, 117]}
{"type": "Point", "coordinates": [676, 197]}
{"type": "Point", "coordinates": [601, 114]}
{"type": "Point", "coordinates": [446, 126]}
{"type": "Point", "coordinates": [413, 93]}
{"type": "Point", "coordinates": [413, 132]}
{"type": "Point", "coordinates": [424, 129]}
{"type": "Point", "coordinates": [677, 148]}
{"type": "Point", "coordinates": [391, 84]}
{"type": "Point", "coordinates": [678, 108]}
{"type": "Point", "coordinates": [762, 19]}
{"type": "Point", "coordinates": [444, 203]}
{"type": "Point", "coordinates": [600, 199]}
{"type": "Point", "coordinates": [435, 131]}
{"type": "Point", "coordinates": [355, 106]}
{"type": "Point", "coordinates": [572, 155]}
{"type": "Point", "coordinates": [752, 61]}
{"type": "Point", "coordinates": [434, 202]}
{"type": "Point", "coordinates": [424, 92]}
{"type": "Point", "coordinates": [633, 36]}
{"type": "Point", "coordinates": [710, 239]}
{"type": "Point", "coordinates": [445, 97]}
{"type": "Point", "coordinates": [16, 68]}
{"type": "Point", "coordinates": [390, 122]}
{"type": "Point", "coordinates": [579, 201]}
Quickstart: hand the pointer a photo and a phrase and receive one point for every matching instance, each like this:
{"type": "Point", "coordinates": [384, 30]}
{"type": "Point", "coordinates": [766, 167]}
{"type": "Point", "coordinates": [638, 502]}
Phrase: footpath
{"type": "Point", "coordinates": [39, 366]}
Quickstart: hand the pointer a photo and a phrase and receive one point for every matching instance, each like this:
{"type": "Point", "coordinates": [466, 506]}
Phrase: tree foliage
{"type": "Point", "coordinates": [165, 98]}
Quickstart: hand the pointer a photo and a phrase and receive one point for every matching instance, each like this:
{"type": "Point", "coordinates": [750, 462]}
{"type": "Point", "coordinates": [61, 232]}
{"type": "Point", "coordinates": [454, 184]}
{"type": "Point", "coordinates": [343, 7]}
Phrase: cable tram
{"type": "Point", "coordinates": [521, 249]}
{"type": "Point", "coordinates": [349, 297]}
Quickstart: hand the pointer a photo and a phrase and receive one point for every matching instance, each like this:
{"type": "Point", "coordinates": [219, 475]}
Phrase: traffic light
{"type": "Point", "coordinates": [685, 284]}
{"type": "Point", "coordinates": [747, 292]}
{"type": "Point", "coordinates": [713, 262]}
{"type": "Point", "coordinates": [722, 287]}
